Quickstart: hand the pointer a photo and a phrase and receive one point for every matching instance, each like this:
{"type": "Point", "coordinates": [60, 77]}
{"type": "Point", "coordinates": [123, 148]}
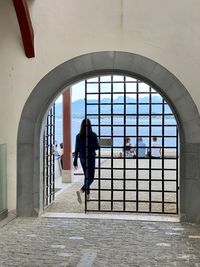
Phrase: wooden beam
{"type": "Point", "coordinates": [67, 156]}
{"type": "Point", "coordinates": [24, 20]}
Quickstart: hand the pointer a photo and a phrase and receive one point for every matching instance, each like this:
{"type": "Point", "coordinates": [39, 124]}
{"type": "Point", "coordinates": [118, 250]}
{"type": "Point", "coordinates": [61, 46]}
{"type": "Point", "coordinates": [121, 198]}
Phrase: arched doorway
{"type": "Point", "coordinates": [29, 177]}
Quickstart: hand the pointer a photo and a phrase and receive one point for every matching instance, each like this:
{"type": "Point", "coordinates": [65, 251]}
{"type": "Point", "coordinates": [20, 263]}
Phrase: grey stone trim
{"type": "Point", "coordinates": [29, 151]}
{"type": "Point", "coordinates": [3, 214]}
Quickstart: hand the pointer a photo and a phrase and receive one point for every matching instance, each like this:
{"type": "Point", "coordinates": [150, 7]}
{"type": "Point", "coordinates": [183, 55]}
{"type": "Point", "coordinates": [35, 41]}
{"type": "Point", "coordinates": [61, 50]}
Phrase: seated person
{"type": "Point", "coordinates": [140, 148]}
{"type": "Point", "coordinates": [155, 148]}
{"type": "Point", "coordinates": [128, 151]}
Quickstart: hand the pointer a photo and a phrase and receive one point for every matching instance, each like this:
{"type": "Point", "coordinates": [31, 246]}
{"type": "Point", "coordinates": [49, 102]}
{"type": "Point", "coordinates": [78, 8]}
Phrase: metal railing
{"type": "Point", "coordinates": [49, 159]}
{"type": "Point", "coordinates": [118, 107]}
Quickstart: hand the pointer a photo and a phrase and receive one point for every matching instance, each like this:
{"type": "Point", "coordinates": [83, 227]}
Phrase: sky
{"type": "Point", "coordinates": [77, 92]}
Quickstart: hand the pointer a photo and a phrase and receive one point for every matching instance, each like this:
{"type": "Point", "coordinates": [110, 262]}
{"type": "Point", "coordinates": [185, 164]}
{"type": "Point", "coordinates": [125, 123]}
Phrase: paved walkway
{"type": "Point", "coordinates": [75, 239]}
{"type": "Point", "coordinates": [66, 201]}
{"type": "Point", "coordinates": [98, 243]}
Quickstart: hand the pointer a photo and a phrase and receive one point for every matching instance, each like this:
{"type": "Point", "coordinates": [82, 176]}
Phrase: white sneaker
{"type": "Point", "coordinates": [88, 197]}
{"type": "Point", "coordinates": [79, 197]}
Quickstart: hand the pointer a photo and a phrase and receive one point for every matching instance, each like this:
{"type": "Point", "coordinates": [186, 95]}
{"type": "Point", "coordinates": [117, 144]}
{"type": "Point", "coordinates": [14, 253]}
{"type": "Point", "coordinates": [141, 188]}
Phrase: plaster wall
{"type": "Point", "coordinates": [167, 32]}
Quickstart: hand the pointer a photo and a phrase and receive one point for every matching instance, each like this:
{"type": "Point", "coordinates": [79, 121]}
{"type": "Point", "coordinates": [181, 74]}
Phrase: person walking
{"type": "Point", "coordinates": [61, 154]}
{"type": "Point", "coordinates": [85, 147]}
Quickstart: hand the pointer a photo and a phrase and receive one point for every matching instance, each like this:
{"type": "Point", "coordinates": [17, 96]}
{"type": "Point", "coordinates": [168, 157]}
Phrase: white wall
{"type": "Point", "coordinates": [165, 31]}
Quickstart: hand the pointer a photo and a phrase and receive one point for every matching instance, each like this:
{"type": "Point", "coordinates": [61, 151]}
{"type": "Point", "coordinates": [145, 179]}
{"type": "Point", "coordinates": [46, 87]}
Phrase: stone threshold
{"type": "Point", "coordinates": [103, 216]}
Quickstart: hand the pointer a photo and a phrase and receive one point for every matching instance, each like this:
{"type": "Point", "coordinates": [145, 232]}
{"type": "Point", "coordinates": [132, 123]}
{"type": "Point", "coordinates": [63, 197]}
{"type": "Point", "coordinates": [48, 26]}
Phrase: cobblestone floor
{"type": "Point", "coordinates": [98, 243]}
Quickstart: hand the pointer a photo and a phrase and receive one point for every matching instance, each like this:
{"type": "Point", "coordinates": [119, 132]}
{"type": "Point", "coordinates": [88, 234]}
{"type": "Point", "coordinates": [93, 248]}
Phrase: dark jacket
{"type": "Point", "coordinates": [80, 147]}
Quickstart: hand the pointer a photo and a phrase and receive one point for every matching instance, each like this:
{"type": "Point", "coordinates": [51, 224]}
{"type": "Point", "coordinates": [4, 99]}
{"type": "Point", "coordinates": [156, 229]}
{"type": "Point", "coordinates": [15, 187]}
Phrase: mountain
{"type": "Point", "coordinates": [78, 107]}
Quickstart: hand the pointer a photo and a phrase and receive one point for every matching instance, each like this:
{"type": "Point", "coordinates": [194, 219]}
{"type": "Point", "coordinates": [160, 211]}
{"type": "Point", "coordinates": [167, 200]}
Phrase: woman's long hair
{"type": "Point", "coordinates": [86, 128]}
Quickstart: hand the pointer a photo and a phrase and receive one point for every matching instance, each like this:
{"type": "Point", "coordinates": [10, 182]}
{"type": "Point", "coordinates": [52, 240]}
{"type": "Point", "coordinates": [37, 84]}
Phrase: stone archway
{"type": "Point", "coordinates": [29, 169]}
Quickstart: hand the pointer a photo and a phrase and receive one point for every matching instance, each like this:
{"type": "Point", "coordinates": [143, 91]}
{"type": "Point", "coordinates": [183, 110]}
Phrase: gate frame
{"type": "Point", "coordinates": [112, 157]}
{"type": "Point", "coordinates": [49, 164]}
{"type": "Point", "coordinates": [30, 130]}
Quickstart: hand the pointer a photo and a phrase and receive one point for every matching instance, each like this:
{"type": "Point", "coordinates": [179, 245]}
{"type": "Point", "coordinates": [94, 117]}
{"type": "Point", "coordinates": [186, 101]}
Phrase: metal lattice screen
{"type": "Point", "coordinates": [49, 159]}
{"type": "Point", "coordinates": [120, 106]}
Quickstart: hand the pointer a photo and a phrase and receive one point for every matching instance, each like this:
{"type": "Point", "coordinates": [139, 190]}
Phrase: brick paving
{"type": "Point", "coordinates": [97, 243]}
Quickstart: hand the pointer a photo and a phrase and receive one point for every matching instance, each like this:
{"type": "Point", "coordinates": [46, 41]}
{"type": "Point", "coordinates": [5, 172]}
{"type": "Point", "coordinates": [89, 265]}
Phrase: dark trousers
{"type": "Point", "coordinates": [88, 166]}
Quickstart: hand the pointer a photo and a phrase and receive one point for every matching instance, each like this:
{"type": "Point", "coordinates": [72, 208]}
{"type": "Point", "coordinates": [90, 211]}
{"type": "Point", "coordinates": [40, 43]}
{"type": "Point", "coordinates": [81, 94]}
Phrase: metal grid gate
{"type": "Point", "coordinates": [49, 159]}
{"type": "Point", "coordinates": [120, 106]}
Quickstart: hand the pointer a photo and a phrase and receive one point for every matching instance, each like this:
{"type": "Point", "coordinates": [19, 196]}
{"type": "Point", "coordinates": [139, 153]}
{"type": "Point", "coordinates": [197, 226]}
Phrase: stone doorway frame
{"type": "Point", "coordinates": [29, 151]}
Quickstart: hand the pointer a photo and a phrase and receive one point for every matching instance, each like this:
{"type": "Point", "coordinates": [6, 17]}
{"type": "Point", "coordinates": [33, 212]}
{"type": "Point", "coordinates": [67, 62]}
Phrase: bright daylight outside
{"type": "Point", "coordinates": [136, 166]}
